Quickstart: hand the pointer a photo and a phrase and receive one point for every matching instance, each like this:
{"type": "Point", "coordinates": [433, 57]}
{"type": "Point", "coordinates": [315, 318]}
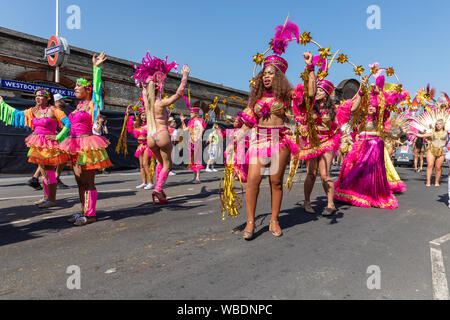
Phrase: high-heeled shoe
{"type": "Point", "coordinates": [161, 196]}
{"type": "Point", "coordinates": [275, 233]}
{"type": "Point", "coordinates": [249, 235]}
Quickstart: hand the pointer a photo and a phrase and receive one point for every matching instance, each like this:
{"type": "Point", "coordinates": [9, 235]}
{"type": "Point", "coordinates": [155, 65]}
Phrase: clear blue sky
{"type": "Point", "coordinates": [219, 38]}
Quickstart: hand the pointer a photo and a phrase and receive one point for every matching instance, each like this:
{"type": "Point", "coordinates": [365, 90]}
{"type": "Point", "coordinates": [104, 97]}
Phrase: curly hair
{"type": "Point", "coordinates": [281, 88]}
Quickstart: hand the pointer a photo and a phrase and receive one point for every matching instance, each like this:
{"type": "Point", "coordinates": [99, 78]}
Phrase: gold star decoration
{"type": "Point", "coordinates": [342, 58]}
{"type": "Point", "coordinates": [324, 53]}
{"type": "Point", "coordinates": [252, 84]}
{"type": "Point", "coordinates": [222, 111]}
{"type": "Point", "coordinates": [399, 88]}
{"type": "Point", "coordinates": [225, 100]}
{"type": "Point", "coordinates": [359, 70]}
{"type": "Point", "coordinates": [305, 38]}
{"type": "Point", "coordinates": [390, 72]}
{"type": "Point", "coordinates": [171, 107]}
{"type": "Point", "coordinates": [242, 101]}
{"type": "Point", "coordinates": [322, 75]}
{"type": "Point", "coordinates": [374, 69]}
{"type": "Point", "coordinates": [135, 108]}
{"type": "Point", "coordinates": [234, 97]}
{"type": "Point", "coordinates": [258, 58]}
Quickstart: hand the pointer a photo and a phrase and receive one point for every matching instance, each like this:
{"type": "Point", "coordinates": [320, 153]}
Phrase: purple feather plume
{"type": "Point", "coordinates": [283, 35]}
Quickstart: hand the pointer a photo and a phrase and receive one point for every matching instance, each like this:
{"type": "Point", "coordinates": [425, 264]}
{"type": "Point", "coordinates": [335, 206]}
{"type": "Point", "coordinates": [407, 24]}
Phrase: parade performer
{"type": "Point", "coordinates": [44, 150]}
{"type": "Point", "coordinates": [320, 129]}
{"type": "Point", "coordinates": [241, 157]}
{"type": "Point", "coordinates": [196, 126]}
{"type": "Point", "coordinates": [435, 124]}
{"type": "Point", "coordinates": [214, 139]}
{"type": "Point", "coordinates": [363, 181]}
{"type": "Point", "coordinates": [138, 127]}
{"type": "Point", "coordinates": [88, 151]}
{"type": "Point", "coordinates": [272, 143]}
{"type": "Point", "coordinates": [151, 76]}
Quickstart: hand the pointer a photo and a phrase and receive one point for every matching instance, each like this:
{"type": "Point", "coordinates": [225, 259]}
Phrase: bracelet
{"type": "Point", "coordinates": [310, 67]}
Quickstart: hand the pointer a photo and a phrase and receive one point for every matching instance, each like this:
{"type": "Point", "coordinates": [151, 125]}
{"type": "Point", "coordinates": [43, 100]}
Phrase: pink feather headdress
{"type": "Point", "coordinates": [284, 34]}
{"type": "Point", "coordinates": [153, 69]}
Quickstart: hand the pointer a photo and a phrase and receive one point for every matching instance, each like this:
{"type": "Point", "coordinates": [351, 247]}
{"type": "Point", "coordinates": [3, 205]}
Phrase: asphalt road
{"type": "Point", "coordinates": [185, 251]}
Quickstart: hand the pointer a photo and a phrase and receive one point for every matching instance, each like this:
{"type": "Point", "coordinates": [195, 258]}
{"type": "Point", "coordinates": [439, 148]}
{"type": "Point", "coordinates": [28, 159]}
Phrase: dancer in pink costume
{"type": "Point", "coordinates": [320, 130]}
{"type": "Point", "coordinates": [138, 127]}
{"type": "Point", "coordinates": [44, 150]}
{"type": "Point", "coordinates": [241, 158]}
{"type": "Point", "coordinates": [151, 76]}
{"type": "Point", "coordinates": [196, 126]}
{"type": "Point", "coordinates": [88, 151]}
{"type": "Point", "coordinates": [363, 180]}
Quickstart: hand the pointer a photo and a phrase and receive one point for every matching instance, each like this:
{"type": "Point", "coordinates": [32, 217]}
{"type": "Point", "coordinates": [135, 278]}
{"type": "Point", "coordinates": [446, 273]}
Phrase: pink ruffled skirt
{"type": "Point", "coordinates": [266, 142]}
{"type": "Point", "coordinates": [44, 151]}
{"type": "Point", "coordinates": [363, 181]}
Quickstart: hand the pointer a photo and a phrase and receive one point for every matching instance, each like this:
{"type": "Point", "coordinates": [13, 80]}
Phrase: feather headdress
{"type": "Point", "coordinates": [283, 35]}
{"type": "Point", "coordinates": [153, 69]}
{"type": "Point", "coordinates": [426, 122]}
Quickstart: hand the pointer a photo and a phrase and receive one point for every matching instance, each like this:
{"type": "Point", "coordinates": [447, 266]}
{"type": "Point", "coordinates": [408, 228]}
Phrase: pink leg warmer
{"type": "Point", "coordinates": [45, 183]}
{"type": "Point", "coordinates": [158, 170]}
{"type": "Point", "coordinates": [51, 177]}
{"type": "Point", "coordinates": [90, 203]}
{"type": "Point", "coordinates": [161, 180]}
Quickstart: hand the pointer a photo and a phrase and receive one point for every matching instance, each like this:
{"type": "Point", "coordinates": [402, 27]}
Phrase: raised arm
{"type": "Point", "coordinates": [172, 99]}
{"type": "Point", "coordinates": [312, 85]}
{"type": "Point", "coordinates": [13, 117]}
{"type": "Point", "coordinates": [97, 61]}
{"type": "Point", "coordinates": [358, 97]}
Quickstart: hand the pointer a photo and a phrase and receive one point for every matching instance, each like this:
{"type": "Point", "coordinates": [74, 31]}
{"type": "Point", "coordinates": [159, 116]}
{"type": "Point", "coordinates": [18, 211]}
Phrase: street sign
{"type": "Point", "coordinates": [57, 51]}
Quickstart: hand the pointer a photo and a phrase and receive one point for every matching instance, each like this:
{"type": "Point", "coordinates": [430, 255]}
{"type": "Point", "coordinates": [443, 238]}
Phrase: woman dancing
{"type": "Point", "coordinates": [363, 181]}
{"type": "Point", "coordinates": [152, 75]}
{"type": "Point", "coordinates": [271, 144]}
{"type": "Point", "coordinates": [88, 151]}
{"type": "Point", "coordinates": [44, 150]}
{"type": "Point", "coordinates": [327, 119]}
{"type": "Point", "coordinates": [138, 127]}
{"type": "Point", "coordinates": [438, 140]}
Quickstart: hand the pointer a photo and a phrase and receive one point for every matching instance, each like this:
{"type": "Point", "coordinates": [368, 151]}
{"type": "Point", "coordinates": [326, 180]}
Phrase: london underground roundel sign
{"type": "Point", "coordinates": [56, 51]}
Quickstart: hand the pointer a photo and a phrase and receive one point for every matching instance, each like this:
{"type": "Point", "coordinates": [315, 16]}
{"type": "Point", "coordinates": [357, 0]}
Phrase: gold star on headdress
{"type": "Point", "coordinates": [359, 70]}
{"type": "Point", "coordinates": [305, 38]}
{"type": "Point", "coordinates": [324, 53]}
{"type": "Point", "coordinates": [342, 58]}
{"type": "Point", "coordinates": [258, 58]}
{"type": "Point", "coordinates": [390, 72]}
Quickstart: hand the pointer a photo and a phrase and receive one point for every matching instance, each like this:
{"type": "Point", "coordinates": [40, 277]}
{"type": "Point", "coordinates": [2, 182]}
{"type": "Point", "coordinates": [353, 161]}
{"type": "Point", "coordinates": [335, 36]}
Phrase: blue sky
{"type": "Point", "coordinates": [219, 38]}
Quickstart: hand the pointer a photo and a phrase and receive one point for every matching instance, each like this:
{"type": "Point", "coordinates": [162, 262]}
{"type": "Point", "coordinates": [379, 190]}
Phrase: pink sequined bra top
{"type": "Point", "coordinates": [44, 126]}
{"type": "Point", "coordinates": [81, 123]}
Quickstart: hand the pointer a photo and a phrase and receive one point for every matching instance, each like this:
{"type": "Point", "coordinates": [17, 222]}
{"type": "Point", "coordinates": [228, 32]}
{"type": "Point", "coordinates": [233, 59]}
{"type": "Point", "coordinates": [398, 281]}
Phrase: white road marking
{"type": "Point", "coordinates": [440, 284]}
{"type": "Point", "coordinates": [63, 194]}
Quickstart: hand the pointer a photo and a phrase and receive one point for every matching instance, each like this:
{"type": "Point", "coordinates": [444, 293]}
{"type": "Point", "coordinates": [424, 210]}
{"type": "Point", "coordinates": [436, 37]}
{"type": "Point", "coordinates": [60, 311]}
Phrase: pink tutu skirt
{"type": "Point", "coordinates": [88, 151]}
{"type": "Point", "coordinates": [44, 151]}
{"type": "Point", "coordinates": [141, 149]}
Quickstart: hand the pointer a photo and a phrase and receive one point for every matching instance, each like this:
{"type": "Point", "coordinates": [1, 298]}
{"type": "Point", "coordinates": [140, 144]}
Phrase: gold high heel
{"type": "Point", "coordinates": [275, 233]}
{"type": "Point", "coordinates": [248, 235]}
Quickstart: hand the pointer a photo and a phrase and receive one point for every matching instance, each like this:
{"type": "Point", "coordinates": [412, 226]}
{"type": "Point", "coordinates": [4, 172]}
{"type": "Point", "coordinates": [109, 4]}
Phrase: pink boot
{"type": "Point", "coordinates": [159, 193]}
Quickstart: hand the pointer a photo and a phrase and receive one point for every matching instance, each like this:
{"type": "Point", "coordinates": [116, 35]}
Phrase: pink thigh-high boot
{"type": "Point", "coordinates": [90, 204]}
{"type": "Point", "coordinates": [159, 193]}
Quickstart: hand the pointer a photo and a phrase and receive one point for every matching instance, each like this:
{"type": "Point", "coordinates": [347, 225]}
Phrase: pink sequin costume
{"type": "Point", "coordinates": [266, 141]}
{"type": "Point", "coordinates": [328, 129]}
{"type": "Point", "coordinates": [141, 135]}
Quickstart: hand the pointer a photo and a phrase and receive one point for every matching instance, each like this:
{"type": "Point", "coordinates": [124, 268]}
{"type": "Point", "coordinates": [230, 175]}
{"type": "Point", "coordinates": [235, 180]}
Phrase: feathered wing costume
{"type": "Point", "coordinates": [397, 127]}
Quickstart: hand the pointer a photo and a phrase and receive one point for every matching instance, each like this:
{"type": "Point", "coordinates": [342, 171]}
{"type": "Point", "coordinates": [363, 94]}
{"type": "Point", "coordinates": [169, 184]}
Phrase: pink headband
{"type": "Point", "coordinates": [326, 85]}
{"type": "Point", "coordinates": [277, 62]}
{"type": "Point", "coordinates": [194, 110]}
